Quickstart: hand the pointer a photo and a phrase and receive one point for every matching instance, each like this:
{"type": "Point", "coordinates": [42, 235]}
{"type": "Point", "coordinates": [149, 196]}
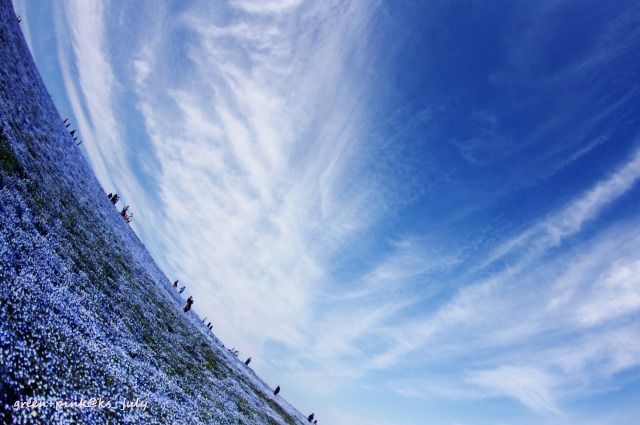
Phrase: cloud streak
{"type": "Point", "coordinates": [263, 177]}
{"type": "Point", "coordinates": [571, 219]}
{"type": "Point", "coordinates": [90, 90]}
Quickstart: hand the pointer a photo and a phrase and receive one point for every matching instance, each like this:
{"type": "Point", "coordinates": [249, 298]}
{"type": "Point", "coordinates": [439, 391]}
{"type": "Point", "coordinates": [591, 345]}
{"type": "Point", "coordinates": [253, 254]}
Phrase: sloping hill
{"type": "Point", "coordinates": [86, 316]}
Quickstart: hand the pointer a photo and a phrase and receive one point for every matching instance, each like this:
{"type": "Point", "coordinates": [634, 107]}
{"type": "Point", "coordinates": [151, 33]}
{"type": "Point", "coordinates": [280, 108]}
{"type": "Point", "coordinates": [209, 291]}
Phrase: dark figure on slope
{"type": "Point", "coordinates": [310, 418]}
{"type": "Point", "coordinates": [110, 196]}
{"type": "Point", "coordinates": [124, 211]}
{"type": "Point", "coordinates": [277, 390]}
{"type": "Point", "coordinates": [182, 289]}
{"type": "Point", "coordinates": [248, 361]}
{"type": "Point", "coordinates": [114, 199]}
{"type": "Point", "coordinates": [187, 306]}
{"type": "Point", "coordinates": [175, 284]}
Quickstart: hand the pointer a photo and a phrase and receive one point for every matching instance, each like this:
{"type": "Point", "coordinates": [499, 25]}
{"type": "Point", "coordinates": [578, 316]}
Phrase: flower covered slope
{"type": "Point", "coordinates": [90, 329]}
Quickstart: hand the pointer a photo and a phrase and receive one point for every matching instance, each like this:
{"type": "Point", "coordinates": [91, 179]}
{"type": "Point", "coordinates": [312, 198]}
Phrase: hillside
{"type": "Point", "coordinates": [85, 312]}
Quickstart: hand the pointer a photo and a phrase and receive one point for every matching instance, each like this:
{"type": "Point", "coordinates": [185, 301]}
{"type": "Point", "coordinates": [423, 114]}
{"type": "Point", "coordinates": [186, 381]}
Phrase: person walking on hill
{"type": "Point", "coordinates": [187, 306]}
{"type": "Point", "coordinates": [277, 390]}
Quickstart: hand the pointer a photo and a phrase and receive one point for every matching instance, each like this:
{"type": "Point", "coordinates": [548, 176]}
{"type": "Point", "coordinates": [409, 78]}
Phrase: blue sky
{"type": "Point", "coordinates": [405, 212]}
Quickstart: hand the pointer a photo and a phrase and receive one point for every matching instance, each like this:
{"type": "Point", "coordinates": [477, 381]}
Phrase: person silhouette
{"type": "Point", "coordinates": [187, 306]}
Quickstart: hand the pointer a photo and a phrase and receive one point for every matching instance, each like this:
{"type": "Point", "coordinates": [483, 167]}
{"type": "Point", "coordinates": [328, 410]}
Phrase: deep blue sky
{"type": "Point", "coordinates": [405, 212]}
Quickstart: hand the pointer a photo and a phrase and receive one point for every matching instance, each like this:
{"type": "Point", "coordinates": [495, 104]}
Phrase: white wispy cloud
{"type": "Point", "coordinates": [531, 386]}
{"type": "Point", "coordinates": [258, 174]}
{"type": "Point", "coordinates": [268, 6]}
{"type": "Point", "coordinates": [614, 295]}
{"type": "Point", "coordinates": [91, 86]}
{"type": "Point", "coordinates": [549, 335]}
{"type": "Point", "coordinates": [533, 310]}
{"type": "Point", "coordinates": [526, 320]}
{"type": "Point", "coordinates": [21, 9]}
{"type": "Point", "coordinates": [569, 220]}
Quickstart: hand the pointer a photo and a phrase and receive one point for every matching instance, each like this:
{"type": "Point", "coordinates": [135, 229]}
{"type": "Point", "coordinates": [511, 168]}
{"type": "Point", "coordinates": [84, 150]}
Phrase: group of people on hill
{"type": "Point", "coordinates": [127, 217]}
{"type": "Point", "coordinates": [175, 286]}
{"type": "Point", "coordinates": [234, 351]}
{"type": "Point", "coordinates": [114, 198]}
{"type": "Point", "coordinates": [209, 325]}
{"type": "Point", "coordinates": [190, 301]}
{"type": "Point", "coordinates": [72, 132]}
{"type": "Point", "coordinates": [187, 306]}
